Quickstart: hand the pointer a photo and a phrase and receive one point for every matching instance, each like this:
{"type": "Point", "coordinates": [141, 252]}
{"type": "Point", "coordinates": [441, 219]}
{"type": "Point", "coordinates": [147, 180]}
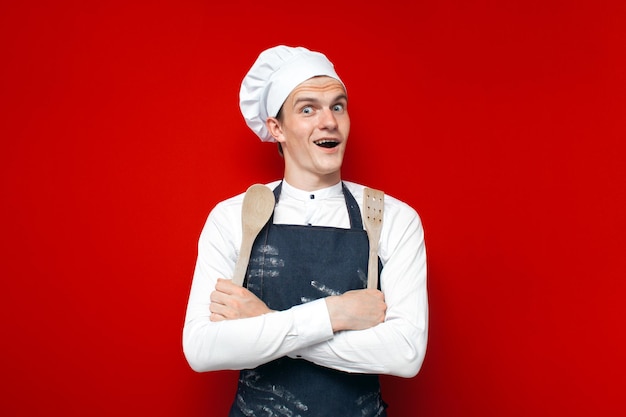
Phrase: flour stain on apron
{"type": "Point", "coordinates": [283, 402]}
{"type": "Point", "coordinates": [268, 265]}
{"type": "Point", "coordinates": [371, 406]}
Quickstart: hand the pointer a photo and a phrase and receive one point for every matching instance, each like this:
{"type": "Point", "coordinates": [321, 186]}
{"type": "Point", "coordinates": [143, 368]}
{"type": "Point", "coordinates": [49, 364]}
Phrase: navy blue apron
{"type": "Point", "coordinates": [291, 265]}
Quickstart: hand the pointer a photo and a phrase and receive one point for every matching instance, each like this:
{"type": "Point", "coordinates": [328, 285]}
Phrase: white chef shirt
{"type": "Point", "coordinates": [396, 347]}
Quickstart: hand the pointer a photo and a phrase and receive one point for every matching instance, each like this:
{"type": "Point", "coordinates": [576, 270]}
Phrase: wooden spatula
{"type": "Point", "coordinates": [373, 205]}
{"type": "Point", "coordinates": [258, 205]}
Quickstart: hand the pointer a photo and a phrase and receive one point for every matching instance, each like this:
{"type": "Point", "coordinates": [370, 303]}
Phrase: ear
{"type": "Point", "coordinates": [275, 129]}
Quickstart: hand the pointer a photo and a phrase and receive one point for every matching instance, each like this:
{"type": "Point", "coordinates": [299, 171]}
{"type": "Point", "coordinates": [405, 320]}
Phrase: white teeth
{"type": "Point", "coordinates": [326, 142]}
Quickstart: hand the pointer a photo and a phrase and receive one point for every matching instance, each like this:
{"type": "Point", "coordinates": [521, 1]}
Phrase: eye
{"type": "Point", "coordinates": [307, 110]}
{"type": "Point", "coordinates": [338, 107]}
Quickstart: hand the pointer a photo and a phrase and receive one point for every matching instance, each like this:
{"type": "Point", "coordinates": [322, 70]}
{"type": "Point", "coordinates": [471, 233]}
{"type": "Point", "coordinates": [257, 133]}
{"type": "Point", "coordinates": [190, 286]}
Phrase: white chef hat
{"type": "Point", "coordinates": [275, 73]}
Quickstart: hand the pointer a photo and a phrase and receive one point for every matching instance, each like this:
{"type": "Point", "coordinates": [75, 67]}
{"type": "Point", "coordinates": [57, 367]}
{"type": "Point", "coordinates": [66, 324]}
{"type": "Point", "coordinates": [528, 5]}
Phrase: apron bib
{"type": "Point", "coordinates": [291, 265]}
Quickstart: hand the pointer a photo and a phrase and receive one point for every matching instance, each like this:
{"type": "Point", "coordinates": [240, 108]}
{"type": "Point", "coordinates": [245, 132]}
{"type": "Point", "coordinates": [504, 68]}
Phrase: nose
{"type": "Point", "coordinates": [327, 119]}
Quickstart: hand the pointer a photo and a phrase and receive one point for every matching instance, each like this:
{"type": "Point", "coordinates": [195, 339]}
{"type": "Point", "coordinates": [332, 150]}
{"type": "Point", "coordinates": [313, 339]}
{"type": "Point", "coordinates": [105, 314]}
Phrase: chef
{"type": "Point", "coordinates": [306, 334]}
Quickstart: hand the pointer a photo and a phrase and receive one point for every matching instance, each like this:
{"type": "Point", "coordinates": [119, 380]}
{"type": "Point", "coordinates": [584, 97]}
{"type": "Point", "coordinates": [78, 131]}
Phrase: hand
{"type": "Point", "coordinates": [356, 310]}
{"type": "Point", "coordinates": [230, 301]}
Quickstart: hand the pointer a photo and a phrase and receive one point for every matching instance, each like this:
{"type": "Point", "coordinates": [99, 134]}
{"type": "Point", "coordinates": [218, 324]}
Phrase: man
{"type": "Point", "coordinates": [308, 337]}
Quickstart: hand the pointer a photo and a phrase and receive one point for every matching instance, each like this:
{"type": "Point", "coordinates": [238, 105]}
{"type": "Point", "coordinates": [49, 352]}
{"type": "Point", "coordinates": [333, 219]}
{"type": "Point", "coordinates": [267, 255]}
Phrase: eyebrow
{"type": "Point", "coordinates": [299, 100]}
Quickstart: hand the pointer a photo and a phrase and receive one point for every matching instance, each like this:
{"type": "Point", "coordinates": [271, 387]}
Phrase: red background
{"type": "Point", "coordinates": [502, 123]}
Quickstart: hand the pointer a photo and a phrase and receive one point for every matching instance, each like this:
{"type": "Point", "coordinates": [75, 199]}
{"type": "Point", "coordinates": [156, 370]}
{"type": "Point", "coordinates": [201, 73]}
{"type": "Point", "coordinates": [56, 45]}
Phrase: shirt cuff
{"type": "Point", "coordinates": [312, 322]}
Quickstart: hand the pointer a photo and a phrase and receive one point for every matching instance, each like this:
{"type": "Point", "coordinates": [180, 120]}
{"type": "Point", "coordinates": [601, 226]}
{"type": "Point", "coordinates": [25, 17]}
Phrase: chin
{"type": "Point", "coordinates": [329, 171]}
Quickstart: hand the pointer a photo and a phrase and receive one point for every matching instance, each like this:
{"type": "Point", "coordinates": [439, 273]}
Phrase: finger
{"type": "Point", "coordinates": [225, 285]}
{"type": "Point", "coordinates": [217, 317]}
{"type": "Point", "coordinates": [375, 292]}
{"type": "Point", "coordinates": [216, 308]}
{"type": "Point", "coordinates": [218, 297]}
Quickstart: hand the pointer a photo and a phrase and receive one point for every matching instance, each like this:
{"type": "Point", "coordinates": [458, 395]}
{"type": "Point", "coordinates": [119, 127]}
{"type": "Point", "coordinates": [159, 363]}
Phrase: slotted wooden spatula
{"type": "Point", "coordinates": [373, 208]}
{"type": "Point", "coordinates": [258, 205]}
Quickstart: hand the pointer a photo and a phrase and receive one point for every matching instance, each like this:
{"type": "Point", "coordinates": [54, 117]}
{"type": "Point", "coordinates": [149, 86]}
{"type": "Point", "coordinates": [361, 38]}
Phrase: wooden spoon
{"type": "Point", "coordinates": [258, 205]}
{"type": "Point", "coordinates": [373, 205]}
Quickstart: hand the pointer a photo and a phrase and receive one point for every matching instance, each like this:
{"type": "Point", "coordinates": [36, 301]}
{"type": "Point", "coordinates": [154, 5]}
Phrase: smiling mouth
{"type": "Point", "coordinates": [327, 143]}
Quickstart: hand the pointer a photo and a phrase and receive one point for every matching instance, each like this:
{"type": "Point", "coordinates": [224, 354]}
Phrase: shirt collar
{"type": "Point", "coordinates": [324, 193]}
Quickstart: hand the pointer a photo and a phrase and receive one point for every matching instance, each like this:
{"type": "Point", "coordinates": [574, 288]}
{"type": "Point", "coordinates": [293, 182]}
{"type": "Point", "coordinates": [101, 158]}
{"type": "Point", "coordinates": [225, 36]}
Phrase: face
{"type": "Point", "coordinates": [313, 132]}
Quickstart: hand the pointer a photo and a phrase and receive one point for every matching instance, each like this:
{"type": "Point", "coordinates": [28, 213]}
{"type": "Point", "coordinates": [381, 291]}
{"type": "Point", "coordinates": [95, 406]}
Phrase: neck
{"type": "Point", "coordinates": [312, 182]}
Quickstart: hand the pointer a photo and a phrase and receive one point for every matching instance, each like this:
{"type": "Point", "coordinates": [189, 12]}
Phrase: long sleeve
{"type": "Point", "coordinates": [245, 343]}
